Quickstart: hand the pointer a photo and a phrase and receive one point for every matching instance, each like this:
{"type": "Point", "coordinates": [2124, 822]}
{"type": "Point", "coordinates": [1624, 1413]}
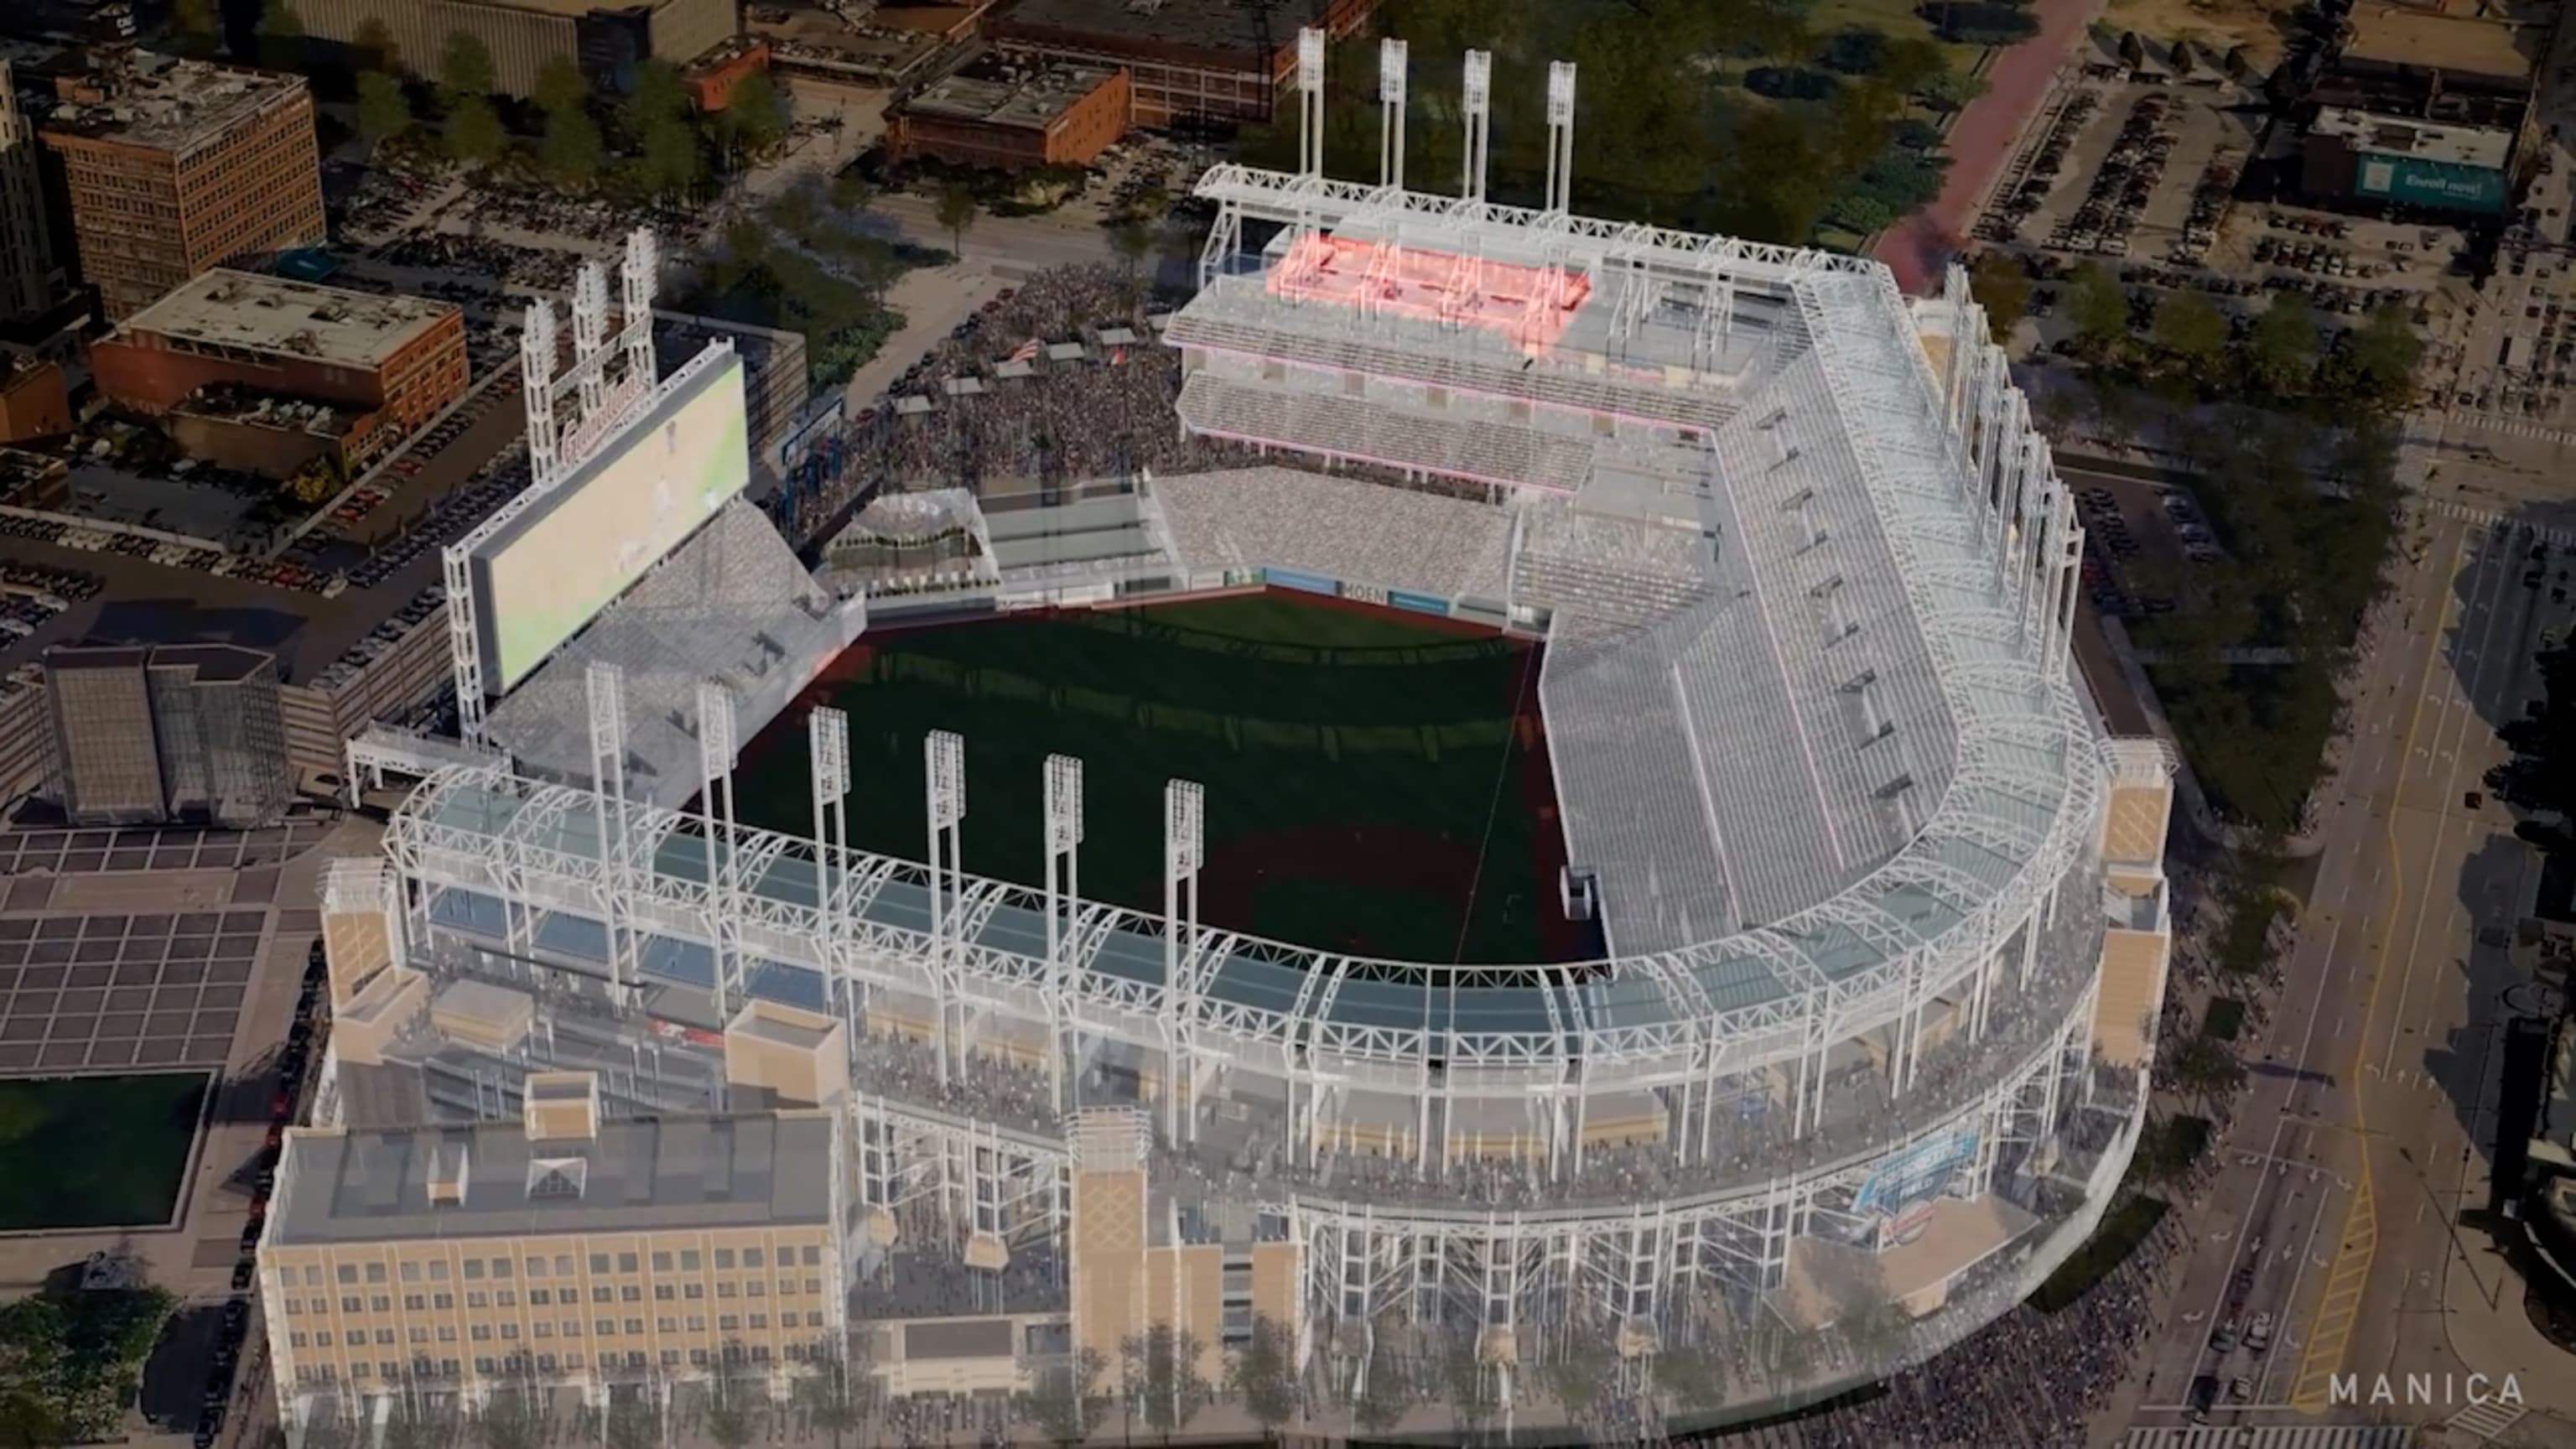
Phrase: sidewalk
{"type": "Point", "coordinates": [1981, 142]}
{"type": "Point", "coordinates": [933, 300]}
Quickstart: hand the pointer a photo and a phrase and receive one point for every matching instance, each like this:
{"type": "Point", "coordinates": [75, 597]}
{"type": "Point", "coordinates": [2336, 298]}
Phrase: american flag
{"type": "Point", "coordinates": [1027, 351]}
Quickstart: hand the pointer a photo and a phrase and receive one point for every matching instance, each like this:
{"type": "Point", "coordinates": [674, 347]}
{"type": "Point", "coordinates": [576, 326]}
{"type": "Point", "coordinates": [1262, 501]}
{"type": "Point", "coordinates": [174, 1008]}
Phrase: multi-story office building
{"type": "Point", "coordinates": [605, 39]}
{"type": "Point", "coordinates": [31, 280]}
{"type": "Point", "coordinates": [188, 731]}
{"type": "Point", "coordinates": [174, 166]}
{"type": "Point", "coordinates": [398, 359]}
{"type": "Point", "coordinates": [560, 1248]}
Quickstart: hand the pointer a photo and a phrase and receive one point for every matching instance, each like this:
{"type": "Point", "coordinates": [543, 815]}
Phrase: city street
{"type": "Point", "coordinates": [2340, 1189]}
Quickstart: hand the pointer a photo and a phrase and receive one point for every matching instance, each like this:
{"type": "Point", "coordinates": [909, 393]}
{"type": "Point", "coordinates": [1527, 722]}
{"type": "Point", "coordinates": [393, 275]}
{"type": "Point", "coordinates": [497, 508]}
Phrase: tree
{"type": "Point", "coordinates": [2190, 331]}
{"type": "Point", "coordinates": [511, 1419]}
{"type": "Point", "coordinates": [1951, 90]}
{"type": "Point", "coordinates": [2382, 354]}
{"type": "Point", "coordinates": [735, 1409]}
{"type": "Point", "coordinates": [2098, 308]}
{"type": "Point", "coordinates": [281, 36]}
{"type": "Point", "coordinates": [2237, 64]}
{"type": "Point", "coordinates": [384, 112]}
{"type": "Point", "coordinates": [195, 31]}
{"type": "Point", "coordinates": [560, 87]}
{"type": "Point", "coordinates": [1163, 1375]}
{"type": "Point", "coordinates": [656, 95]}
{"type": "Point", "coordinates": [473, 128]}
{"type": "Point", "coordinates": [1062, 1404]}
{"type": "Point", "coordinates": [2540, 777]}
{"type": "Point", "coordinates": [755, 114]}
{"type": "Point", "coordinates": [1388, 1392]}
{"type": "Point", "coordinates": [1583, 1375]}
{"type": "Point", "coordinates": [634, 1418]}
{"type": "Point", "coordinates": [464, 67]}
{"type": "Point", "coordinates": [572, 149]}
{"type": "Point", "coordinates": [2282, 351]}
{"type": "Point", "coordinates": [2133, 51]}
{"type": "Point", "coordinates": [669, 164]}
{"type": "Point", "coordinates": [1264, 1375]}
{"type": "Point", "coordinates": [2205, 1067]}
{"type": "Point", "coordinates": [837, 1398]}
{"type": "Point", "coordinates": [374, 47]}
{"type": "Point", "coordinates": [956, 215]}
{"type": "Point", "coordinates": [2001, 286]}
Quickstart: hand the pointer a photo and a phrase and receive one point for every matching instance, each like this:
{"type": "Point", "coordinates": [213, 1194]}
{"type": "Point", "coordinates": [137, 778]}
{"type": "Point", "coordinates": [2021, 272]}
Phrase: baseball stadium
{"type": "Point", "coordinates": [1586, 849]}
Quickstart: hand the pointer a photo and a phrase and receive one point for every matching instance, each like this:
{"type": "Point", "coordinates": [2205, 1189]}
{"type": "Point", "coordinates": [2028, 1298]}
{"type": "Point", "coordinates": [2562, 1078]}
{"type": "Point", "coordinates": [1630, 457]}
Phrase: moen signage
{"type": "Point", "coordinates": [2417, 182]}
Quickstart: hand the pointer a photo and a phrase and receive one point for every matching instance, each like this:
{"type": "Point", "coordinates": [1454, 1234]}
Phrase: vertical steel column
{"type": "Point", "coordinates": [1310, 102]}
{"type": "Point", "coordinates": [608, 805]}
{"type": "Point", "coordinates": [1391, 62]}
{"type": "Point", "coordinates": [1560, 136]}
{"type": "Point", "coordinates": [716, 749]}
{"type": "Point", "coordinates": [827, 734]}
{"type": "Point", "coordinates": [589, 351]}
{"type": "Point", "coordinates": [1478, 99]}
{"type": "Point", "coordinates": [944, 758]}
{"type": "Point", "coordinates": [1184, 850]}
{"type": "Point", "coordinates": [1063, 900]}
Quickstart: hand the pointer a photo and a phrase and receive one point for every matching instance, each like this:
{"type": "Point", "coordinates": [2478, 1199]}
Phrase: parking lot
{"type": "Point", "coordinates": [29, 853]}
{"type": "Point", "coordinates": [107, 993]}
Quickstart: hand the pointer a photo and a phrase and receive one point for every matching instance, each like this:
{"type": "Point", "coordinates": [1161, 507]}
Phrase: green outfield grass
{"type": "Point", "coordinates": [96, 1152]}
{"type": "Point", "coordinates": [1373, 784]}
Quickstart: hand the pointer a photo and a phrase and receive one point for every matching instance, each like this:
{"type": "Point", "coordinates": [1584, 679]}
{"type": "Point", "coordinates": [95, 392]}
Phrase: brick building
{"type": "Point", "coordinates": [1006, 113]}
{"type": "Point", "coordinates": [604, 38]}
{"type": "Point", "coordinates": [174, 166]}
{"type": "Point", "coordinates": [1216, 61]}
{"type": "Point", "coordinates": [400, 359]}
{"type": "Point", "coordinates": [712, 77]}
{"type": "Point", "coordinates": [33, 402]}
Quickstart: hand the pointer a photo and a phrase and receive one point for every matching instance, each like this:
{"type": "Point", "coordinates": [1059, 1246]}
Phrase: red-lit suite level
{"type": "Point", "coordinates": [1433, 286]}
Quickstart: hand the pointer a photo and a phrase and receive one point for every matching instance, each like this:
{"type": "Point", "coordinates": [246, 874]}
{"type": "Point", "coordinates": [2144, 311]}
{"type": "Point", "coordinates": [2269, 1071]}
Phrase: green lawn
{"type": "Point", "coordinates": [1372, 784]}
{"type": "Point", "coordinates": [95, 1152]}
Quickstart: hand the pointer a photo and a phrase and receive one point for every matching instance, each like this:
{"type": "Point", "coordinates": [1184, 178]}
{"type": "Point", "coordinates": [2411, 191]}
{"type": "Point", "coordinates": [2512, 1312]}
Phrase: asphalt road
{"type": "Point", "coordinates": [2350, 1163]}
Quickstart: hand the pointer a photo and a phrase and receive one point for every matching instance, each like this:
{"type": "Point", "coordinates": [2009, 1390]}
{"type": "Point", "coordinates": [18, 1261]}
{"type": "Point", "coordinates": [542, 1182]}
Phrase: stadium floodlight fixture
{"type": "Point", "coordinates": [1479, 87]}
{"type": "Point", "coordinates": [1560, 92]}
{"type": "Point", "coordinates": [945, 753]}
{"type": "Point", "coordinates": [1391, 61]}
{"type": "Point", "coordinates": [1310, 60]}
{"type": "Point", "coordinates": [1064, 802]}
{"type": "Point", "coordinates": [831, 729]}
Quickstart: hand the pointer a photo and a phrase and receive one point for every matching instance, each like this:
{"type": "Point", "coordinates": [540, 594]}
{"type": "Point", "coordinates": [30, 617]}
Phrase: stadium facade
{"type": "Point", "coordinates": [1886, 916]}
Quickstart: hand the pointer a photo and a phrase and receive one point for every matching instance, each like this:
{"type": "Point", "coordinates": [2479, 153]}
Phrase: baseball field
{"type": "Point", "coordinates": [1376, 783]}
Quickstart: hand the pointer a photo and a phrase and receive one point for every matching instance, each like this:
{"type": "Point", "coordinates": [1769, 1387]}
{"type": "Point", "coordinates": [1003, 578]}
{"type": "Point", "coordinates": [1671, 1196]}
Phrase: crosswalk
{"type": "Point", "coordinates": [2489, 518]}
{"type": "Point", "coordinates": [2516, 428]}
{"type": "Point", "coordinates": [2481, 1422]}
{"type": "Point", "coordinates": [2274, 1436]}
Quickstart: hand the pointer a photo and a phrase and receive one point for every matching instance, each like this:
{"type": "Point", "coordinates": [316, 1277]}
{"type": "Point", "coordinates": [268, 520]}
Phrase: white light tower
{"type": "Point", "coordinates": [1310, 102]}
{"type": "Point", "coordinates": [537, 347]}
{"type": "Point", "coordinates": [1478, 95]}
{"type": "Point", "coordinates": [716, 816]}
{"type": "Point", "coordinates": [1184, 850]}
{"type": "Point", "coordinates": [1560, 135]}
{"type": "Point", "coordinates": [944, 776]}
{"type": "Point", "coordinates": [1063, 895]}
{"type": "Point", "coordinates": [590, 343]}
{"type": "Point", "coordinates": [1391, 62]}
{"type": "Point", "coordinates": [827, 734]}
{"type": "Point", "coordinates": [639, 275]}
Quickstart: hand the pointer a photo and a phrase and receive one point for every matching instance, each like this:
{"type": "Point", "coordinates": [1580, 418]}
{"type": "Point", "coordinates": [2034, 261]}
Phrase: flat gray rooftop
{"type": "Point", "coordinates": [677, 1172]}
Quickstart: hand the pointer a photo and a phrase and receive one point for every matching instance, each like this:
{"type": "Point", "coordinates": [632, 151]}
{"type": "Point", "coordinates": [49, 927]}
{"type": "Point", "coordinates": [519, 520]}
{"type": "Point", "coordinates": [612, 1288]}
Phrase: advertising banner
{"type": "Point", "coordinates": [1309, 583]}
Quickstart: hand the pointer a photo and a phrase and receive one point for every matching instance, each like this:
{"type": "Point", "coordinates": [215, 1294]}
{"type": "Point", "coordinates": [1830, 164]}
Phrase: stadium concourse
{"type": "Point", "coordinates": [1862, 1064]}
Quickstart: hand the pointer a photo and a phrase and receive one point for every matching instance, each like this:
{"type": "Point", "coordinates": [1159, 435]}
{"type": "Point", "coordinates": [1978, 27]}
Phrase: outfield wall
{"type": "Point", "coordinates": [894, 610]}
